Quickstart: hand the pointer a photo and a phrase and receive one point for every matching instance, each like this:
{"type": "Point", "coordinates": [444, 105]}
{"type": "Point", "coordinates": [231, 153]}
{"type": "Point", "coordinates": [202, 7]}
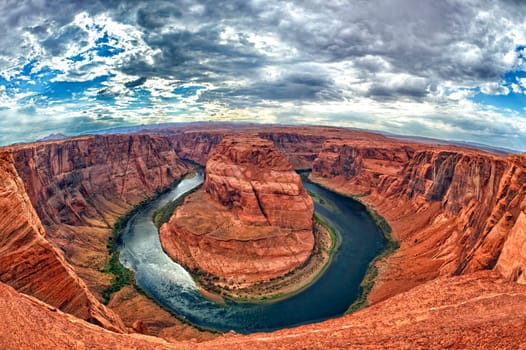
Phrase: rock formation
{"type": "Point", "coordinates": [252, 221]}
{"type": "Point", "coordinates": [31, 264]}
{"type": "Point", "coordinates": [476, 311]}
{"type": "Point", "coordinates": [79, 187]}
{"type": "Point", "coordinates": [454, 210]}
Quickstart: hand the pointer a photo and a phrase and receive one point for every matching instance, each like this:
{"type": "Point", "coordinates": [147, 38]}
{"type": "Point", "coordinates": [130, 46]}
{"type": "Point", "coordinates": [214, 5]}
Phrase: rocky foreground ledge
{"type": "Point", "coordinates": [251, 222]}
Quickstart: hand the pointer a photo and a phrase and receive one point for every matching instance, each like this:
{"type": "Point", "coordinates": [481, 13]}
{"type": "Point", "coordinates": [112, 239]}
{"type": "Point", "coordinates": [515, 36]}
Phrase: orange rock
{"type": "Point", "coordinates": [455, 210]}
{"type": "Point", "coordinates": [31, 264]}
{"type": "Point", "coordinates": [252, 221]}
{"type": "Point", "coordinates": [140, 327]}
{"type": "Point", "coordinates": [476, 311]}
{"type": "Point", "coordinates": [80, 186]}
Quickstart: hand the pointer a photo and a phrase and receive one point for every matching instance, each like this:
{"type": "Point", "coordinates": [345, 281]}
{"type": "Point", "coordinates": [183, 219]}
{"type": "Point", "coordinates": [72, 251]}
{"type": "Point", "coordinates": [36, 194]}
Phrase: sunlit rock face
{"type": "Point", "coordinates": [29, 263]}
{"type": "Point", "coordinates": [251, 221]}
{"type": "Point", "coordinates": [79, 187]}
{"type": "Point", "coordinates": [455, 210]}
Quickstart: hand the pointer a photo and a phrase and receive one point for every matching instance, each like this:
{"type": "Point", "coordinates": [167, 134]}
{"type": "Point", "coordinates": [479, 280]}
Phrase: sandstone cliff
{"type": "Point", "coordinates": [33, 266]}
{"type": "Point", "coordinates": [454, 210]}
{"type": "Point", "coordinates": [196, 145]}
{"type": "Point", "coordinates": [252, 221]}
{"type": "Point", "coordinates": [79, 187]}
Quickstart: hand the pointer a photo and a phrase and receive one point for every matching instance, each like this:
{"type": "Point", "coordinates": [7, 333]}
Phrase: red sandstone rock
{"type": "Point", "coordinates": [80, 186]}
{"type": "Point", "coordinates": [454, 210]}
{"type": "Point", "coordinates": [253, 220]}
{"type": "Point", "coordinates": [476, 311]}
{"type": "Point", "coordinates": [33, 266]}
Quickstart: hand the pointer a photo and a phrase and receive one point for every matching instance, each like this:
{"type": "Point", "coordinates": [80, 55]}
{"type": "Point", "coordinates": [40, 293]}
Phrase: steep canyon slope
{"type": "Point", "coordinates": [80, 187]}
{"type": "Point", "coordinates": [29, 263]}
{"type": "Point", "coordinates": [454, 210]}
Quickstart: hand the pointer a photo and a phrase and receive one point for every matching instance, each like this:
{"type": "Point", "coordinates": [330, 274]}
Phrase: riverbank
{"type": "Point", "coordinates": [282, 287]}
{"type": "Point", "coordinates": [329, 294]}
{"type": "Point", "coordinates": [122, 276]}
{"type": "Point", "coordinates": [392, 244]}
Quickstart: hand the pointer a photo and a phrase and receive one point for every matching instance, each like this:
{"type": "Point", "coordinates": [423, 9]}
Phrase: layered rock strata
{"type": "Point", "coordinates": [454, 210]}
{"type": "Point", "coordinates": [29, 263]}
{"type": "Point", "coordinates": [81, 186]}
{"type": "Point", "coordinates": [252, 220]}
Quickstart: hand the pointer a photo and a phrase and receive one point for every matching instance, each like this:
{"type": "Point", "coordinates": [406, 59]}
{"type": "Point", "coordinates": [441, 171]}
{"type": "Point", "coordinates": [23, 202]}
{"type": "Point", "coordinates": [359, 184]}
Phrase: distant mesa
{"type": "Point", "coordinates": [51, 137]}
{"type": "Point", "coordinates": [252, 220]}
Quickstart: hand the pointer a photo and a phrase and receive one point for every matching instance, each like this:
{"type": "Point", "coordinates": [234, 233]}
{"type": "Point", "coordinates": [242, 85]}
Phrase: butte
{"type": "Point", "coordinates": [251, 222]}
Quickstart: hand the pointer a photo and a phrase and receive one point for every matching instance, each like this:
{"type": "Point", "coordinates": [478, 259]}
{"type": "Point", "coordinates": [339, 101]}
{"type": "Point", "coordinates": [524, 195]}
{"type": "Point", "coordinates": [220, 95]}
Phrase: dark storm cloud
{"type": "Point", "coordinates": [183, 53]}
{"type": "Point", "coordinates": [415, 89]}
{"type": "Point", "coordinates": [155, 17]}
{"type": "Point", "coordinates": [294, 87]}
{"type": "Point", "coordinates": [439, 40]}
{"type": "Point", "coordinates": [57, 43]}
{"type": "Point", "coordinates": [316, 51]}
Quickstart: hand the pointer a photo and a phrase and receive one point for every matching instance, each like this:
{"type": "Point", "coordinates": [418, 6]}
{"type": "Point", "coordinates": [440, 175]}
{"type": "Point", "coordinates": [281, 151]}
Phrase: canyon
{"type": "Point", "coordinates": [459, 215]}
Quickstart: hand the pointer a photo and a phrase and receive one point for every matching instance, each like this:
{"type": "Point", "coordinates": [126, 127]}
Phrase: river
{"type": "Point", "coordinates": [359, 241]}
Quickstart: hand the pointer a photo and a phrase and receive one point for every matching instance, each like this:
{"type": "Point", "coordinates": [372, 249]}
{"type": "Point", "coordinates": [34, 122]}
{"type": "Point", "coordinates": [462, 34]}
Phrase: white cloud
{"type": "Point", "coordinates": [494, 89]}
{"type": "Point", "coordinates": [516, 88]}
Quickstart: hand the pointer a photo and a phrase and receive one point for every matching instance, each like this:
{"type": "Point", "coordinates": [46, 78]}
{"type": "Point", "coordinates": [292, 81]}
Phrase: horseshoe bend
{"type": "Point", "coordinates": [251, 222]}
{"type": "Point", "coordinates": [458, 215]}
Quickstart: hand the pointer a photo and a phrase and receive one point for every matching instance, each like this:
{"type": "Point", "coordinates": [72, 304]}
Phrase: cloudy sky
{"type": "Point", "coordinates": [451, 69]}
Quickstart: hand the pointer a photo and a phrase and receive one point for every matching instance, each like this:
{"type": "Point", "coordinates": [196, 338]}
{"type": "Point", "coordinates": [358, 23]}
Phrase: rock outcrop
{"type": "Point", "coordinates": [28, 323]}
{"type": "Point", "coordinates": [454, 210]}
{"type": "Point", "coordinates": [251, 222]}
{"type": "Point", "coordinates": [81, 186]}
{"type": "Point", "coordinates": [475, 311]}
{"type": "Point", "coordinates": [29, 263]}
{"type": "Point", "coordinates": [196, 145]}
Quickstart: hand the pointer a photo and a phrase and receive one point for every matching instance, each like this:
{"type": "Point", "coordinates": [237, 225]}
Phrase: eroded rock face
{"type": "Point", "coordinates": [476, 311]}
{"type": "Point", "coordinates": [252, 220]}
{"type": "Point", "coordinates": [80, 186]}
{"type": "Point", "coordinates": [455, 210]}
{"type": "Point", "coordinates": [29, 263]}
{"type": "Point", "coordinates": [254, 180]}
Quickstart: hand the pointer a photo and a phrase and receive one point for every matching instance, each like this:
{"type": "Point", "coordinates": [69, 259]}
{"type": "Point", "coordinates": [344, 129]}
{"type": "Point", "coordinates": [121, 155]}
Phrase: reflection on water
{"type": "Point", "coordinates": [330, 296]}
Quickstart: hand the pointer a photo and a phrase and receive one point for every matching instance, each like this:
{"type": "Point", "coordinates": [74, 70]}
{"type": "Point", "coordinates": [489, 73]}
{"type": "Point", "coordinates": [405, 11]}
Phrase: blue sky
{"type": "Point", "coordinates": [450, 69]}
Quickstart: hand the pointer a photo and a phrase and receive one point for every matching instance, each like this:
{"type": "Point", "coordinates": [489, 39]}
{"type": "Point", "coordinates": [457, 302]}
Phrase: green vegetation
{"type": "Point", "coordinates": [320, 220]}
{"type": "Point", "coordinates": [121, 275]}
{"type": "Point", "coordinates": [162, 215]}
{"type": "Point", "coordinates": [368, 281]}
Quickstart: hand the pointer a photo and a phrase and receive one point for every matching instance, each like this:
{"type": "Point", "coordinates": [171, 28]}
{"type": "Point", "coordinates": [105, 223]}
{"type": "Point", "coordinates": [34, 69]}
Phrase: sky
{"type": "Point", "coordinates": [446, 69]}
